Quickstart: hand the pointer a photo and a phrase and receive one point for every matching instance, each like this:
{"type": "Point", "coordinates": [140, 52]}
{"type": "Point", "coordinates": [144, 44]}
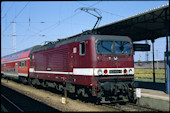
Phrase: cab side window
{"type": "Point", "coordinates": [82, 48]}
{"type": "Point", "coordinates": [22, 63]}
{"type": "Point", "coordinates": [25, 63]}
{"type": "Point", "coordinates": [19, 63]}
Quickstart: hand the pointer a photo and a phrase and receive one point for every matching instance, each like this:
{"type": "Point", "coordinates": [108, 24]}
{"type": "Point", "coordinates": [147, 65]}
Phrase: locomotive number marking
{"type": "Point", "coordinates": [115, 71]}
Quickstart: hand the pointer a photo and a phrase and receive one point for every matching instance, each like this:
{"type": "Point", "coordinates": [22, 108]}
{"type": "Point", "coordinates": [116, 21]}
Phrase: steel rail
{"type": "Point", "coordinates": [129, 107]}
{"type": "Point", "coordinates": [142, 107]}
{"type": "Point", "coordinates": [12, 103]}
{"type": "Point", "coordinates": [31, 98]}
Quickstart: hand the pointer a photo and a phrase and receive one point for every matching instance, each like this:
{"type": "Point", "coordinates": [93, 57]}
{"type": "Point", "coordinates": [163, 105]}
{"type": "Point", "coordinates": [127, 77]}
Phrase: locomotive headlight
{"type": "Point", "coordinates": [130, 70]}
{"type": "Point", "coordinates": [99, 72]}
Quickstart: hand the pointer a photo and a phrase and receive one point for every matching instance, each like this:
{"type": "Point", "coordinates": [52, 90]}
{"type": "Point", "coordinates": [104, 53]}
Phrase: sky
{"type": "Point", "coordinates": [40, 21]}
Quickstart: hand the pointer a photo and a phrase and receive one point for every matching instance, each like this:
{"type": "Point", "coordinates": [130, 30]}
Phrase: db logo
{"type": "Point", "coordinates": [115, 58]}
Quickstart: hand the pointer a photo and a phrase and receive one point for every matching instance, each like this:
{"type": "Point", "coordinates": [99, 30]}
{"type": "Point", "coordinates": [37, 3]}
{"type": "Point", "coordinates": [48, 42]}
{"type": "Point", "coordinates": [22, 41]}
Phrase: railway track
{"type": "Point", "coordinates": [129, 107]}
{"type": "Point", "coordinates": [9, 106]}
{"type": "Point", "coordinates": [109, 107]}
{"type": "Point", "coordinates": [13, 101]}
{"type": "Point", "coordinates": [118, 107]}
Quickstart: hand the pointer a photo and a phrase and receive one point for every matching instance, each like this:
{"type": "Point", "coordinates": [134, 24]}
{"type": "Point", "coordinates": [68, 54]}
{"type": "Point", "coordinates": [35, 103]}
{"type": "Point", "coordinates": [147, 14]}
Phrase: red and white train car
{"type": "Point", "coordinates": [16, 65]}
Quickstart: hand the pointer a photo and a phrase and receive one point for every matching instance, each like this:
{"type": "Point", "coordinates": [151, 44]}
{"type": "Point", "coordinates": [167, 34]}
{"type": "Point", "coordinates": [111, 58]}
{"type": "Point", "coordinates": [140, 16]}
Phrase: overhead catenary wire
{"type": "Point", "coordinates": [7, 11]}
{"type": "Point", "coordinates": [103, 10]}
{"type": "Point", "coordinates": [17, 15]}
{"type": "Point", "coordinates": [26, 36]}
{"type": "Point", "coordinates": [49, 28]}
{"type": "Point", "coordinates": [55, 25]}
{"type": "Point", "coordinates": [59, 22]}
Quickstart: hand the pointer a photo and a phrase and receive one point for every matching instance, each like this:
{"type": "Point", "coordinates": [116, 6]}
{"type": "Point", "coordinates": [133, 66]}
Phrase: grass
{"type": "Point", "coordinates": [147, 75]}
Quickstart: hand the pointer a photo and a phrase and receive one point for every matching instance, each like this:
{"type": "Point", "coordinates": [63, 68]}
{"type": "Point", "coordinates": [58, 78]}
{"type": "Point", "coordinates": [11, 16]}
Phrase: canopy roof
{"type": "Point", "coordinates": [149, 25]}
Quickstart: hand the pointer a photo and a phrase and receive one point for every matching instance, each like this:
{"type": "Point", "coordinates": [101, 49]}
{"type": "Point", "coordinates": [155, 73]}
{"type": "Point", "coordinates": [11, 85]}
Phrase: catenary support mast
{"type": "Point", "coordinates": [14, 37]}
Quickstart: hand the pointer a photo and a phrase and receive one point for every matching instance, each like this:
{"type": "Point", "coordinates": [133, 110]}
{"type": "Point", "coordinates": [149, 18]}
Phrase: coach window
{"type": "Point", "coordinates": [25, 63]}
{"type": "Point", "coordinates": [19, 63]}
{"type": "Point", "coordinates": [30, 57]}
{"type": "Point", "coordinates": [22, 63]}
{"type": "Point", "coordinates": [82, 48]}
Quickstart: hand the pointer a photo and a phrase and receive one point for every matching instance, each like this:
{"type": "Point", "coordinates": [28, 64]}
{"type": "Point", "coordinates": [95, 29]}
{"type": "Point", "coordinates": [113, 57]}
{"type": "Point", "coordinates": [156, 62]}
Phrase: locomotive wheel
{"type": "Point", "coordinates": [96, 100]}
{"type": "Point", "coordinates": [30, 82]}
{"type": "Point", "coordinates": [43, 84]}
{"type": "Point", "coordinates": [131, 97]}
{"type": "Point", "coordinates": [23, 80]}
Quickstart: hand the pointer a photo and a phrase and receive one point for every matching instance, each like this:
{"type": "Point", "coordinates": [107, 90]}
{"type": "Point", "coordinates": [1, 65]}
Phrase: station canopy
{"type": "Point", "coordinates": [148, 25]}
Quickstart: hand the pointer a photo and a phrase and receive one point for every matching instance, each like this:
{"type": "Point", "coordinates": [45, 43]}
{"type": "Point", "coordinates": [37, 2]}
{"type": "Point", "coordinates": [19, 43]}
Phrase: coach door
{"type": "Point", "coordinates": [16, 67]}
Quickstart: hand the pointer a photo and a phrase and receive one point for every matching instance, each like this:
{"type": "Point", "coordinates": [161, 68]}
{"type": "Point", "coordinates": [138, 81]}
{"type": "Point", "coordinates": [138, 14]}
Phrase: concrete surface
{"type": "Point", "coordinates": [155, 99]}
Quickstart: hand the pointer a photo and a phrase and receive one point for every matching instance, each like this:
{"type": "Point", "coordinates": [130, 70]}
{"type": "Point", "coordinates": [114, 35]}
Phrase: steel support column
{"type": "Point", "coordinates": [167, 59]}
{"type": "Point", "coordinates": [153, 60]}
{"type": "Point", "coordinates": [167, 68]}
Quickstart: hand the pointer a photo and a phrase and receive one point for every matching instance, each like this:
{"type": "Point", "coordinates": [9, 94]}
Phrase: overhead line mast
{"type": "Point", "coordinates": [14, 37]}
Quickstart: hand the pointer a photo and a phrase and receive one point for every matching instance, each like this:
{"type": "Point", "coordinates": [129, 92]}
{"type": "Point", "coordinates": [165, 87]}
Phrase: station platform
{"type": "Point", "coordinates": [155, 99]}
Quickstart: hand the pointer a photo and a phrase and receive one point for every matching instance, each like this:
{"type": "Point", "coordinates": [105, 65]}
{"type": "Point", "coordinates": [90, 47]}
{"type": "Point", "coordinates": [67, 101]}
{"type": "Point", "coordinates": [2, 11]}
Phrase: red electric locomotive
{"type": "Point", "coordinates": [98, 66]}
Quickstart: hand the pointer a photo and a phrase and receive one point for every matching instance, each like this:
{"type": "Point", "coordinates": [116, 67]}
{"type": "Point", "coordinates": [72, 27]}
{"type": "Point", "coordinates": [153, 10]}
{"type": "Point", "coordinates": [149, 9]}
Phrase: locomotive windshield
{"type": "Point", "coordinates": [113, 47]}
{"type": "Point", "coordinates": [122, 47]}
{"type": "Point", "coordinates": [104, 47]}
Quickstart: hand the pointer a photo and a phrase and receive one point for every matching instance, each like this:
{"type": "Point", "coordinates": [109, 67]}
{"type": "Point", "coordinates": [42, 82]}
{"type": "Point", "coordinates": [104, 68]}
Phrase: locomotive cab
{"type": "Point", "coordinates": [114, 56]}
{"type": "Point", "coordinates": [113, 68]}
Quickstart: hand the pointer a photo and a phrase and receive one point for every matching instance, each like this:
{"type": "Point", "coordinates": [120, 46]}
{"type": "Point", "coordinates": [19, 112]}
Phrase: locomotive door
{"type": "Point", "coordinates": [4, 67]}
{"type": "Point", "coordinates": [16, 67]}
{"type": "Point", "coordinates": [72, 64]}
{"type": "Point", "coordinates": [73, 56]}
